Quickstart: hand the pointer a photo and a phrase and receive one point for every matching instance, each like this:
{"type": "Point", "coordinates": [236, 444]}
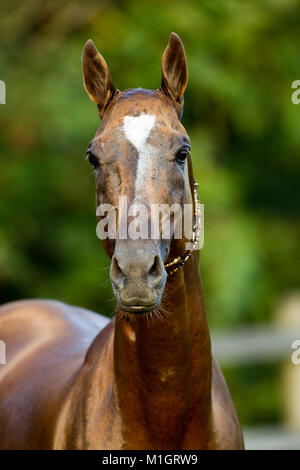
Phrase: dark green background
{"type": "Point", "coordinates": [242, 58]}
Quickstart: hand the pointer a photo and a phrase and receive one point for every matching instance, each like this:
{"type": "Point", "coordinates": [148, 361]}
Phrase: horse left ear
{"type": "Point", "coordinates": [174, 72]}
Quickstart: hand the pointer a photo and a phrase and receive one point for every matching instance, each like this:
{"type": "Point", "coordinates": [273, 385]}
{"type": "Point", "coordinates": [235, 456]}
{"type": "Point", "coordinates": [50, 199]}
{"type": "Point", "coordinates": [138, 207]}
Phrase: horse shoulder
{"type": "Point", "coordinates": [46, 343]}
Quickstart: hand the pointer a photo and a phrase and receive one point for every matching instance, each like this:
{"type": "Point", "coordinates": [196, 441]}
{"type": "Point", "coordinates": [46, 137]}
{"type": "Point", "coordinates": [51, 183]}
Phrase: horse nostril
{"type": "Point", "coordinates": [154, 267]}
{"type": "Point", "coordinates": [156, 271]}
{"type": "Point", "coordinates": [116, 274]}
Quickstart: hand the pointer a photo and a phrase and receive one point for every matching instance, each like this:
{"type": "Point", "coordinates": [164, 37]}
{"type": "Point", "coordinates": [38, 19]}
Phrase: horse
{"type": "Point", "coordinates": [145, 379]}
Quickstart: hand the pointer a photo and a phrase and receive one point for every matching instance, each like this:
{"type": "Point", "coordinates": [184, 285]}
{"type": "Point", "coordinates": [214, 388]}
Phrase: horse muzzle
{"type": "Point", "coordinates": [138, 276]}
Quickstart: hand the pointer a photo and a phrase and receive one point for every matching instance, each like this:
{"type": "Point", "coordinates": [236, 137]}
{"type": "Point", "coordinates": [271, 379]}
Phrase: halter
{"type": "Point", "coordinates": [178, 262]}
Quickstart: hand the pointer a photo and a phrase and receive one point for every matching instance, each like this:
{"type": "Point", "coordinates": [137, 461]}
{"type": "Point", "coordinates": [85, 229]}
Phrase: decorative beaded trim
{"type": "Point", "coordinates": [178, 262]}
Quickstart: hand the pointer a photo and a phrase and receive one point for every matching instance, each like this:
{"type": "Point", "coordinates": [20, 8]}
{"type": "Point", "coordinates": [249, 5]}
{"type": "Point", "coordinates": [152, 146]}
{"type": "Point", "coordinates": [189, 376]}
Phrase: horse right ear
{"type": "Point", "coordinates": [174, 72]}
{"type": "Point", "coordinates": [96, 77]}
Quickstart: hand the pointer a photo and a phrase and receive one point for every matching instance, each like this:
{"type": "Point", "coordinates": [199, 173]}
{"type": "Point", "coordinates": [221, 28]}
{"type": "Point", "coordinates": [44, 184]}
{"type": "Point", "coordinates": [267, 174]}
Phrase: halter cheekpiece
{"type": "Point", "coordinates": [177, 263]}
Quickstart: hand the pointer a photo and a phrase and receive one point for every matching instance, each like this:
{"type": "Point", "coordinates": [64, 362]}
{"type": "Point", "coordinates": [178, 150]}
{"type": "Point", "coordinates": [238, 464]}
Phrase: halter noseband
{"type": "Point", "coordinates": [178, 262]}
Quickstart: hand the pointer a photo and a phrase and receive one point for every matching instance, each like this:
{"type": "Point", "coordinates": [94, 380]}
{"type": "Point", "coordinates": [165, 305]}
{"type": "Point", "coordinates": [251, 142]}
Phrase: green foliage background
{"type": "Point", "coordinates": [242, 58]}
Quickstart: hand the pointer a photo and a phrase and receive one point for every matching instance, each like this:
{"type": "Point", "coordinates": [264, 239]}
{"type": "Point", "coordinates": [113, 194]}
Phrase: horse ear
{"type": "Point", "coordinates": [96, 77]}
{"type": "Point", "coordinates": [174, 72]}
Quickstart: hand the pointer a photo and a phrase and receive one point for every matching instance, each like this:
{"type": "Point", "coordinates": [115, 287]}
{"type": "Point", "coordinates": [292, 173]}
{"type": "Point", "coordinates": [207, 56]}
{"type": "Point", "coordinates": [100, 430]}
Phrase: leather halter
{"type": "Point", "coordinates": [178, 262]}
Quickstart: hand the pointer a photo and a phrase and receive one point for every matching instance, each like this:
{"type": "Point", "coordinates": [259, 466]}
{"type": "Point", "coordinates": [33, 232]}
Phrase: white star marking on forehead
{"type": "Point", "coordinates": [137, 130]}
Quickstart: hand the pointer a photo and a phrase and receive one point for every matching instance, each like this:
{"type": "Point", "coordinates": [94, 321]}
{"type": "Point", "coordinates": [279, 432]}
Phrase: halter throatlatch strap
{"type": "Point", "coordinates": [178, 262]}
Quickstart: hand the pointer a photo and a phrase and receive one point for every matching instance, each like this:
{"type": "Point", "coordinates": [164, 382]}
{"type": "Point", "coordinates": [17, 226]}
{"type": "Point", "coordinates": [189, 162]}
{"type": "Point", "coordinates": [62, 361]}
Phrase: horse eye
{"type": "Point", "coordinates": [182, 154]}
{"type": "Point", "coordinates": [92, 159]}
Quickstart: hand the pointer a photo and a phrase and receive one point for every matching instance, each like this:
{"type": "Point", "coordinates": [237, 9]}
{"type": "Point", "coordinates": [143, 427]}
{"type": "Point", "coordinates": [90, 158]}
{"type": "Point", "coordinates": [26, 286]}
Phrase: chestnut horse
{"type": "Point", "coordinates": [146, 379]}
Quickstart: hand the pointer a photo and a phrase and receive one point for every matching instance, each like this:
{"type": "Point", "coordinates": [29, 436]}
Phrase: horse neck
{"type": "Point", "coordinates": [165, 364]}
